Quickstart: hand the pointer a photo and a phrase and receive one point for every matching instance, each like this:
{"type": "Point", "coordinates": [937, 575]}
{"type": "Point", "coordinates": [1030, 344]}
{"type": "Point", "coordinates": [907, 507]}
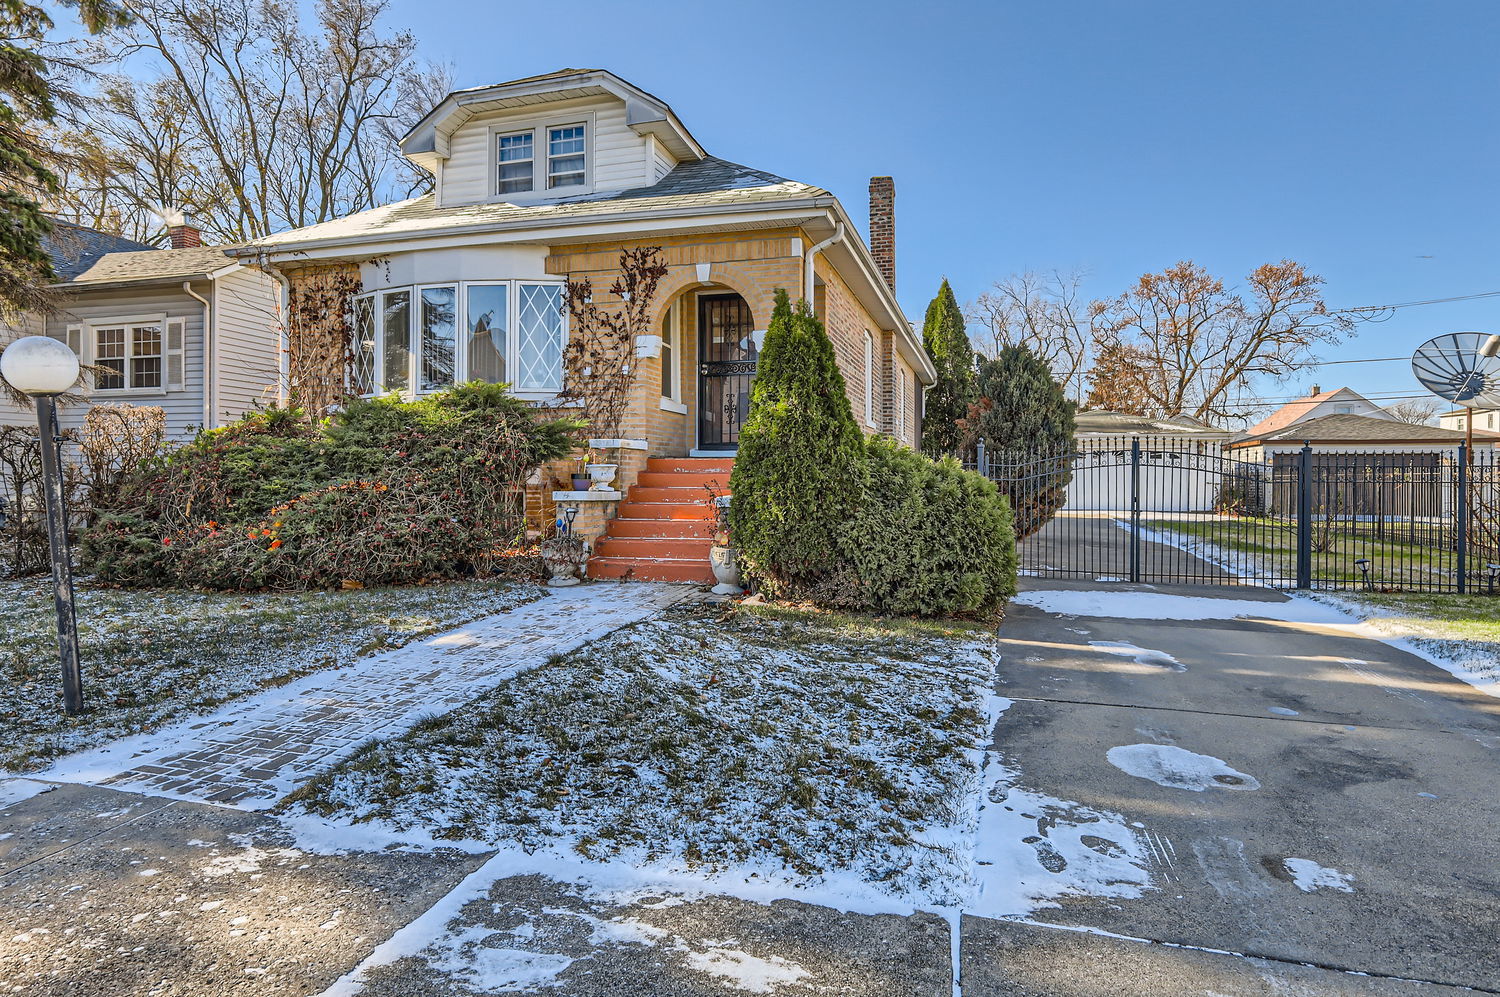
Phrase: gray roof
{"type": "Point", "coordinates": [154, 265]}
{"type": "Point", "coordinates": [75, 248]}
{"type": "Point", "coordinates": [708, 184]}
{"type": "Point", "coordinates": [1361, 429]}
{"type": "Point", "coordinates": [1124, 424]}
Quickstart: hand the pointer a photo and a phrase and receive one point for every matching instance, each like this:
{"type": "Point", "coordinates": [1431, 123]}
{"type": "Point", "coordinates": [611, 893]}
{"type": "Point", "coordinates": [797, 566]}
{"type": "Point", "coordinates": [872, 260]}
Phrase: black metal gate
{"type": "Point", "coordinates": [1190, 512]}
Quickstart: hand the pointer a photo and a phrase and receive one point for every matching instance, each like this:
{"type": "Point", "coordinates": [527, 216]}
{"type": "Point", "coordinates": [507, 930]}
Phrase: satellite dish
{"type": "Point", "coordinates": [1463, 367]}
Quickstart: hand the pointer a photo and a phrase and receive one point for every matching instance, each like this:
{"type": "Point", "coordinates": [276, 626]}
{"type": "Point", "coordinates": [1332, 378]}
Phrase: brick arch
{"type": "Point", "coordinates": [726, 276]}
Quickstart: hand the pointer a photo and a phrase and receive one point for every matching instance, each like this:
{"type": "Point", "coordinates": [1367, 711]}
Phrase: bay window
{"type": "Point", "coordinates": [436, 335]}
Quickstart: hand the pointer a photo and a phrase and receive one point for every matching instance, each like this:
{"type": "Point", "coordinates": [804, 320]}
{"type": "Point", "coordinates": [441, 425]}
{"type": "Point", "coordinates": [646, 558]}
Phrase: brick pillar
{"type": "Point", "coordinates": [883, 227]}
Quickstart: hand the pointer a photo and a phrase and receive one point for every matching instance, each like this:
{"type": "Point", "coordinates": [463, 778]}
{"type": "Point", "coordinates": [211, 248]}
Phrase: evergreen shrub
{"type": "Point", "coordinates": [385, 492]}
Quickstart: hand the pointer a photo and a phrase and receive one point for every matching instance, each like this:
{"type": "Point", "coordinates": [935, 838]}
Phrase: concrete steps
{"type": "Point", "coordinates": [663, 529]}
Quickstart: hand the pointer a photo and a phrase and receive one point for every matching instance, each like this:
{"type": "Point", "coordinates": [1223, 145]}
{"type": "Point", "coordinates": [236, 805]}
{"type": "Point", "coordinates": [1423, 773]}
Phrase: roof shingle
{"type": "Point", "coordinates": [708, 183]}
{"type": "Point", "coordinates": [156, 264]}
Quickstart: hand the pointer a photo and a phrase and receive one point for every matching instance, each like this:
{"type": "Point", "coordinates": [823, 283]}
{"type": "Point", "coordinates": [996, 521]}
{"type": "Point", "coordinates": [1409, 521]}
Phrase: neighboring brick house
{"type": "Point", "coordinates": [186, 329]}
{"type": "Point", "coordinates": [546, 179]}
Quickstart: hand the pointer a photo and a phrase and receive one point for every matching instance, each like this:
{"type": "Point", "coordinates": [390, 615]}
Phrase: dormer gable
{"type": "Point", "coordinates": [566, 134]}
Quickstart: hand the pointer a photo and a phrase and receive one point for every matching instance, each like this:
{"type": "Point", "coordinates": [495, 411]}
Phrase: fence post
{"type": "Point", "coordinates": [1461, 517]}
{"type": "Point", "coordinates": [1304, 517]}
{"type": "Point", "coordinates": [979, 459]}
{"type": "Point", "coordinates": [1135, 508]}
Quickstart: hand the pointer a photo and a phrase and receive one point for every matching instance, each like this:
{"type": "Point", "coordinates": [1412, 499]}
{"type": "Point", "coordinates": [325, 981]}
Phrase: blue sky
{"type": "Point", "coordinates": [1361, 138]}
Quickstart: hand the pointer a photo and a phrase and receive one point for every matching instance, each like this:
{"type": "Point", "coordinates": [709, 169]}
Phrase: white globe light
{"type": "Point", "coordinates": [39, 365]}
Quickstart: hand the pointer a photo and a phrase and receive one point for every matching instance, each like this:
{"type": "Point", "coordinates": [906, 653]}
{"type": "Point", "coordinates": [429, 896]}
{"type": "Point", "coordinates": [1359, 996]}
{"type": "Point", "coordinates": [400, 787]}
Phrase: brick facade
{"type": "Point", "coordinates": [752, 264]}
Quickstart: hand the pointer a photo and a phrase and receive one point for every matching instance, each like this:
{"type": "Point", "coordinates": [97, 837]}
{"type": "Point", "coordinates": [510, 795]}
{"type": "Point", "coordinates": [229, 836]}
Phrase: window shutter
{"type": "Point", "coordinates": [173, 354]}
{"type": "Point", "coordinates": [74, 339]}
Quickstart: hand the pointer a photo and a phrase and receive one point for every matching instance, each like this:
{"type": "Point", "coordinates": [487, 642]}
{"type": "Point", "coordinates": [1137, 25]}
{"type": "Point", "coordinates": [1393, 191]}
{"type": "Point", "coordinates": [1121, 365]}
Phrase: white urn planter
{"type": "Point", "coordinates": [726, 568]}
{"type": "Point", "coordinates": [564, 570]}
{"type": "Point", "coordinates": [603, 476]}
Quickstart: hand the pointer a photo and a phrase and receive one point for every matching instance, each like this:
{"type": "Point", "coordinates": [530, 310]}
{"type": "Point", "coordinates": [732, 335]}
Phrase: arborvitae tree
{"type": "Point", "coordinates": [949, 398]}
{"type": "Point", "coordinates": [800, 473]}
{"type": "Point", "coordinates": [1026, 423]}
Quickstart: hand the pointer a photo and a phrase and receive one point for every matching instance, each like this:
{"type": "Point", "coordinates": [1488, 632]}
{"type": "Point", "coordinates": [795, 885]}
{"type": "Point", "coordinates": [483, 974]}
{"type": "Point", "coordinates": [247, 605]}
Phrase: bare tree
{"type": "Point", "coordinates": [1044, 312]}
{"type": "Point", "coordinates": [254, 124]}
{"type": "Point", "coordinates": [1417, 411]}
{"type": "Point", "coordinates": [1184, 344]}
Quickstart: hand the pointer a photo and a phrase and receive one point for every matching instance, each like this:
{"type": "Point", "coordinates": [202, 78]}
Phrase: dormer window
{"type": "Point", "coordinates": [565, 156]}
{"type": "Point", "coordinates": [515, 153]}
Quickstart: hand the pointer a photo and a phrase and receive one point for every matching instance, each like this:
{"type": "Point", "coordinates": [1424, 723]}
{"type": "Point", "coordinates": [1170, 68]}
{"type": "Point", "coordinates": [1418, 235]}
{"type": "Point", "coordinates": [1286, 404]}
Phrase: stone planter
{"type": "Point", "coordinates": [603, 475]}
{"type": "Point", "coordinates": [564, 570]}
{"type": "Point", "coordinates": [726, 567]}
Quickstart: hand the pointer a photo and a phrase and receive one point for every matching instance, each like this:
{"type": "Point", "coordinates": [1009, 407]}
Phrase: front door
{"type": "Point", "coordinates": [726, 367]}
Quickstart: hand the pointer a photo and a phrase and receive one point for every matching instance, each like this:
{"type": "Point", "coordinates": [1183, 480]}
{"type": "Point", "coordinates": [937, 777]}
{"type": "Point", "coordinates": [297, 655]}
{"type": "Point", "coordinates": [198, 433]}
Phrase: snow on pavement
{"type": "Point", "coordinates": [1140, 655]}
{"type": "Point", "coordinates": [1177, 768]}
{"type": "Point", "coordinates": [1161, 606]}
{"type": "Point", "coordinates": [1309, 877]}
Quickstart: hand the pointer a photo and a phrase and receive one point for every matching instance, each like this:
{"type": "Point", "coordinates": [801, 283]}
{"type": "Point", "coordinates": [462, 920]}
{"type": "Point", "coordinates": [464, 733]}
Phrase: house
{"type": "Point", "coordinates": [1318, 403]}
{"type": "Point", "coordinates": [1486, 419]}
{"type": "Point", "coordinates": [1365, 465]}
{"type": "Point", "coordinates": [547, 179]}
{"type": "Point", "coordinates": [1102, 472]}
{"type": "Point", "coordinates": [187, 329]}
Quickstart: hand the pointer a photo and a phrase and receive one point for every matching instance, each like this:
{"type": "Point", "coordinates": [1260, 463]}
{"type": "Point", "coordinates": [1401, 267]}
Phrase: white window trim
{"type": "Point", "coordinates": [539, 126]}
{"type": "Point", "coordinates": [496, 134]}
{"type": "Point", "coordinates": [870, 417]}
{"type": "Point", "coordinates": [547, 173]}
{"type": "Point", "coordinates": [674, 314]}
{"type": "Point", "coordinates": [899, 378]}
{"type": "Point", "coordinates": [461, 330]}
{"type": "Point", "coordinates": [90, 342]}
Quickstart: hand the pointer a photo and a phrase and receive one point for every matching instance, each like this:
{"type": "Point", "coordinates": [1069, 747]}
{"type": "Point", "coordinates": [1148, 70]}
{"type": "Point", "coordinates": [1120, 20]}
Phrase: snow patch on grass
{"type": "Point", "coordinates": [834, 753]}
{"type": "Point", "coordinates": [154, 656]}
{"type": "Point", "coordinates": [1177, 768]}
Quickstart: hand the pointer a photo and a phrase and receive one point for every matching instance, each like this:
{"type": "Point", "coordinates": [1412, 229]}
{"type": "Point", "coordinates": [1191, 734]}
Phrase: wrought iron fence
{"type": "Point", "coordinates": [1186, 511]}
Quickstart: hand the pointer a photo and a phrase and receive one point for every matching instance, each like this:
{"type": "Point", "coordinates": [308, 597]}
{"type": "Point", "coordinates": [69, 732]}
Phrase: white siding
{"type": "Point", "coordinates": [661, 161]}
{"type": "Point", "coordinates": [248, 356]}
{"type": "Point", "coordinates": [29, 324]}
{"type": "Point", "coordinates": [184, 409]}
{"type": "Point", "coordinates": [617, 155]}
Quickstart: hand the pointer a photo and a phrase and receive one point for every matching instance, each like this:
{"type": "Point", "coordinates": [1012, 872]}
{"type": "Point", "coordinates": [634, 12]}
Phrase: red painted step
{"type": "Point", "coordinates": [663, 530]}
{"type": "Point", "coordinates": [652, 570]}
{"type": "Point", "coordinates": [690, 465]}
{"type": "Point", "coordinates": [692, 548]}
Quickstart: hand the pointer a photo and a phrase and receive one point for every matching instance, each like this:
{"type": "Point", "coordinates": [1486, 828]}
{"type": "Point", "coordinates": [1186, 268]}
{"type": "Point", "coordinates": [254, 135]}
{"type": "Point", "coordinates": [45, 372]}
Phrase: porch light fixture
{"type": "Point", "coordinates": [43, 368]}
{"type": "Point", "coordinates": [1364, 569]}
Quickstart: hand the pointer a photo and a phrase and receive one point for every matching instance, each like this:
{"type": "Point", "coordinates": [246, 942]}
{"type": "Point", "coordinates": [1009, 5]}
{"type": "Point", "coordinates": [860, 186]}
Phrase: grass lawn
{"type": "Point", "coordinates": [153, 656]}
{"type": "Point", "coordinates": [1450, 617]}
{"type": "Point", "coordinates": [800, 743]}
{"type": "Point", "coordinates": [1273, 544]}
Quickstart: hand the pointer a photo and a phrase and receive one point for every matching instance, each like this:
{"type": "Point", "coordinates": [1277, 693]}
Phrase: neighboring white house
{"type": "Point", "coordinates": [188, 329]}
{"type": "Point", "coordinates": [1318, 403]}
{"type": "Point", "coordinates": [1486, 419]}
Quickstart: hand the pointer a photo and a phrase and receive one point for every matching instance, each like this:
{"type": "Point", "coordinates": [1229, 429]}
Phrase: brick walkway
{"type": "Point", "coordinates": [253, 751]}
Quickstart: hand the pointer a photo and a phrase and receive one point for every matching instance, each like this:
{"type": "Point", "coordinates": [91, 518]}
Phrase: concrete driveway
{"type": "Point", "coordinates": [1353, 830]}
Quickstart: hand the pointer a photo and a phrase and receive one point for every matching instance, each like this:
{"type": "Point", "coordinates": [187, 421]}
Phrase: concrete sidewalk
{"type": "Point", "coordinates": [1359, 834]}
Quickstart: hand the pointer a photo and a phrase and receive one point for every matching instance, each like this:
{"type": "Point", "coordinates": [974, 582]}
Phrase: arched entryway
{"type": "Point", "coordinates": [728, 350]}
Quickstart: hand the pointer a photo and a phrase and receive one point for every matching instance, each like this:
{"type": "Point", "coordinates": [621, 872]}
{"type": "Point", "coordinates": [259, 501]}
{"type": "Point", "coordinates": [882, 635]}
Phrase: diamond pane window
{"type": "Point", "coordinates": [396, 328]}
{"type": "Point", "coordinates": [565, 156]}
{"type": "Point", "coordinates": [439, 337]}
{"type": "Point", "coordinates": [515, 155]}
{"type": "Point", "coordinates": [540, 327]}
{"type": "Point", "coordinates": [486, 316]}
{"type": "Point", "coordinates": [362, 372]}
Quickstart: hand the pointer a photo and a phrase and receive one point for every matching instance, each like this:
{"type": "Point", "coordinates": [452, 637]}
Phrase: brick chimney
{"type": "Point", "coordinates": [883, 227]}
{"type": "Point", "coordinates": [184, 235]}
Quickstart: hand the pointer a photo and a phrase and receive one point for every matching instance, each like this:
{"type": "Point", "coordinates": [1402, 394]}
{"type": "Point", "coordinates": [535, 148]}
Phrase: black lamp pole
{"type": "Point", "coordinates": [62, 564]}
